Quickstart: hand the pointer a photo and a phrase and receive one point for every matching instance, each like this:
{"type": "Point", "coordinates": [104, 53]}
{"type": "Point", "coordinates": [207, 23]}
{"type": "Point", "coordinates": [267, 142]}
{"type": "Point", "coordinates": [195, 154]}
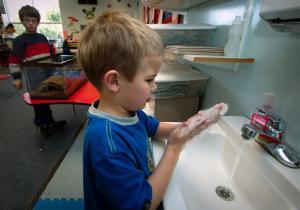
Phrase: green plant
{"type": "Point", "coordinates": [53, 16]}
{"type": "Point", "coordinates": [51, 31]}
{"type": "Point", "coordinates": [19, 28]}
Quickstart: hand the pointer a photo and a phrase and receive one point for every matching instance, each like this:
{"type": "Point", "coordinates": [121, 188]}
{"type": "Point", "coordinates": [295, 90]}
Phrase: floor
{"type": "Point", "coordinates": [24, 167]}
{"type": "Point", "coordinates": [65, 189]}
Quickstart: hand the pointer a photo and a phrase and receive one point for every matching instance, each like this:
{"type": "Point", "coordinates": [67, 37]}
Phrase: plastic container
{"type": "Point", "coordinates": [232, 46]}
{"type": "Point", "coordinates": [53, 77]}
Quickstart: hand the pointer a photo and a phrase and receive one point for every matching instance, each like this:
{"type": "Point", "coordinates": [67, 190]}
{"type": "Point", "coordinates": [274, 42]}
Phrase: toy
{"type": "Point", "coordinates": [72, 21]}
{"type": "Point", "coordinates": [89, 14]}
{"type": "Point", "coordinates": [8, 31]}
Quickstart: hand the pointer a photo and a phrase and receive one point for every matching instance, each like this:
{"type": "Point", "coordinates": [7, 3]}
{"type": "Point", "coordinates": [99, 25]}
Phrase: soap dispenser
{"type": "Point", "coordinates": [232, 46]}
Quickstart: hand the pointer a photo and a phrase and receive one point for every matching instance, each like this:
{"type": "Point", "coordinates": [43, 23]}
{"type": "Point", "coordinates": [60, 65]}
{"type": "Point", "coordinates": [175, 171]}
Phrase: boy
{"type": "Point", "coordinates": [31, 45]}
{"type": "Point", "coordinates": [121, 57]}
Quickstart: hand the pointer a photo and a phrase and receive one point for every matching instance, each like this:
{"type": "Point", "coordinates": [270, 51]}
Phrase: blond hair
{"type": "Point", "coordinates": [116, 41]}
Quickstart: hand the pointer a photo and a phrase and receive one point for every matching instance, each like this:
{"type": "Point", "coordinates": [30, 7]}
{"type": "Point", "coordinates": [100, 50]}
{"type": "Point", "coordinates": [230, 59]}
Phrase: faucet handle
{"type": "Point", "coordinates": [269, 123]}
{"type": "Point", "coordinates": [276, 127]}
{"type": "Point", "coordinates": [248, 131]}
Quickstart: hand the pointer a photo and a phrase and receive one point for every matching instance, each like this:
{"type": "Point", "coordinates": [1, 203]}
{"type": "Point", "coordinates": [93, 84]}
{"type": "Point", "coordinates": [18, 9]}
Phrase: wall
{"type": "Point", "coordinates": [188, 37]}
{"type": "Point", "coordinates": [2, 11]}
{"type": "Point", "coordinates": [276, 68]}
{"type": "Point", "coordinates": [72, 8]}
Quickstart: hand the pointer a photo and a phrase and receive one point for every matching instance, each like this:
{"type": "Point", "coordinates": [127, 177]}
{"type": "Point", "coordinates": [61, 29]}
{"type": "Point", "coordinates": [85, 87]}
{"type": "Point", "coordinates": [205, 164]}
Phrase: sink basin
{"type": "Point", "coordinates": [246, 176]}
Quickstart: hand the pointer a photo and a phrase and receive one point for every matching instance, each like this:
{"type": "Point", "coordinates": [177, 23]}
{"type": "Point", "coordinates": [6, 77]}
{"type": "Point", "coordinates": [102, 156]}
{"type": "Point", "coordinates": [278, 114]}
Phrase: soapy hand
{"type": "Point", "coordinates": [214, 113]}
{"type": "Point", "coordinates": [197, 123]}
{"type": "Point", "coordinates": [188, 129]}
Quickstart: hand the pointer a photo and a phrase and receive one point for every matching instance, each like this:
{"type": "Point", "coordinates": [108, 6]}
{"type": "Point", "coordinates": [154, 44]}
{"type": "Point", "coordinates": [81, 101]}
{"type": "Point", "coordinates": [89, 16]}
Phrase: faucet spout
{"type": "Point", "coordinates": [248, 132]}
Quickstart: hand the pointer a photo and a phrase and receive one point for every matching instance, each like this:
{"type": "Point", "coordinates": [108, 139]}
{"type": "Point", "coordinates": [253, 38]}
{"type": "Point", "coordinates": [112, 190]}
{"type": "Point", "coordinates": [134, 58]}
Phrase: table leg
{"type": "Point", "coordinates": [42, 136]}
{"type": "Point", "coordinates": [74, 110]}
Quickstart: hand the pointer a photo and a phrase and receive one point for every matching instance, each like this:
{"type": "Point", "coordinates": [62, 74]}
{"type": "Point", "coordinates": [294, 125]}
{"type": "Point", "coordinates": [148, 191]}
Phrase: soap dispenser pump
{"type": "Point", "coordinates": [232, 46]}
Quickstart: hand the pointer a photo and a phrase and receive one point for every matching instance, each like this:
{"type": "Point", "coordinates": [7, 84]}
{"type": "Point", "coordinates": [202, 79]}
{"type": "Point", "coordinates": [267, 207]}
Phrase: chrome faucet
{"type": "Point", "coordinates": [268, 130]}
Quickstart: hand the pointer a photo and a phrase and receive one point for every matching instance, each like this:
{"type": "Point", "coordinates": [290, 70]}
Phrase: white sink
{"type": "Point", "coordinates": [221, 157]}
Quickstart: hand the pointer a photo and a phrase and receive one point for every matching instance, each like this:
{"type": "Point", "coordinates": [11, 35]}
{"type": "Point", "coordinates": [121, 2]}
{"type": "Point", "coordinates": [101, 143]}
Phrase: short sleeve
{"type": "Point", "coordinates": [151, 123]}
{"type": "Point", "coordinates": [121, 183]}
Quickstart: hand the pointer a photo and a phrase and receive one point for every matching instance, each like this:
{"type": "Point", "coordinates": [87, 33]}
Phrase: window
{"type": "Point", "coordinates": [50, 24]}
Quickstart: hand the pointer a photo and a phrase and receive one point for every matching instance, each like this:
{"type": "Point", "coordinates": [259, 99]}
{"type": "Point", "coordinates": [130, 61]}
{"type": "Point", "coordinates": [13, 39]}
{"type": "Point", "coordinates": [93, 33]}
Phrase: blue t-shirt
{"type": "Point", "coordinates": [117, 161]}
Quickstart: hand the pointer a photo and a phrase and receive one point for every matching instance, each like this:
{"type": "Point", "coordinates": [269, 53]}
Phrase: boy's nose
{"type": "Point", "coordinates": [154, 86]}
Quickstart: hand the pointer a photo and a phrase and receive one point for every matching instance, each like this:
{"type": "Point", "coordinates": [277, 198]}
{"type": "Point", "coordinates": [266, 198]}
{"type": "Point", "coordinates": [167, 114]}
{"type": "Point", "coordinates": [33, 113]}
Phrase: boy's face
{"type": "Point", "coordinates": [30, 24]}
{"type": "Point", "coordinates": [136, 93]}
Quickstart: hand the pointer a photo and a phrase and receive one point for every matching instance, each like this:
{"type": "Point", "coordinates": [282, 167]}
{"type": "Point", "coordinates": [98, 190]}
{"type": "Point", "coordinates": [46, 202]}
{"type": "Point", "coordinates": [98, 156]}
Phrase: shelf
{"type": "Point", "coordinates": [174, 5]}
{"type": "Point", "coordinates": [181, 27]}
{"type": "Point", "coordinates": [211, 58]}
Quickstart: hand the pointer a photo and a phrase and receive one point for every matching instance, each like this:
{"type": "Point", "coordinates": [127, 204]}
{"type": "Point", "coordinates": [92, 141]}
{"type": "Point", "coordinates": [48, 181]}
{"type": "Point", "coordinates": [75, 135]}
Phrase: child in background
{"type": "Point", "coordinates": [28, 46]}
{"type": "Point", "coordinates": [121, 57]}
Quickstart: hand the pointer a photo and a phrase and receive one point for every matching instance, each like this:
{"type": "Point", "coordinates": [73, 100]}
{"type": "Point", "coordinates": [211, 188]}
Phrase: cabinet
{"type": "Point", "coordinates": [214, 60]}
{"type": "Point", "coordinates": [178, 92]}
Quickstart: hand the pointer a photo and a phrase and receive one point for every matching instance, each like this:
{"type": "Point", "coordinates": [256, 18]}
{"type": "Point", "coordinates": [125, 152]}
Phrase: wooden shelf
{"type": "Point", "coordinates": [181, 26]}
{"type": "Point", "coordinates": [211, 58]}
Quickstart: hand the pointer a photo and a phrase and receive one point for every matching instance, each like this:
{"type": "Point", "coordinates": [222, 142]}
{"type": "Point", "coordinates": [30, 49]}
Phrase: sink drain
{"type": "Point", "coordinates": [225, 193]}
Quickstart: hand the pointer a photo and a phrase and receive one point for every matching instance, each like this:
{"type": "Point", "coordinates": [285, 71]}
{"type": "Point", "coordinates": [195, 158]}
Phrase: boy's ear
{"type": "Point", "coordinates": [110, 80]}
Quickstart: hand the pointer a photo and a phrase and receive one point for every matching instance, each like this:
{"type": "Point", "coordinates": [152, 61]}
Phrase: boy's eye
{"type": "Point", "coordinates": [28, 20]}
{"type": "Point", "coordinates": [149, 80]}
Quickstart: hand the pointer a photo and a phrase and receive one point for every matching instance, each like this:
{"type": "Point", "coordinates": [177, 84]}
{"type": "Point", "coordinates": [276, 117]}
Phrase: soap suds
{"type": "Point", "coordinates": [224, 110]}
{"type": "Point", "coordinates": [216, 111]}
{"type": "Point", "coordinates": [212, 115]}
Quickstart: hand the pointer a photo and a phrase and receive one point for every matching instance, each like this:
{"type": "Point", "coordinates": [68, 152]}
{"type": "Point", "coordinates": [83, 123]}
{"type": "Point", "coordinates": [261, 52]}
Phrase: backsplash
{"type": "Point", "coordinates": [276, 67]}
{"type": "Point", "coordinates": [186, 37]}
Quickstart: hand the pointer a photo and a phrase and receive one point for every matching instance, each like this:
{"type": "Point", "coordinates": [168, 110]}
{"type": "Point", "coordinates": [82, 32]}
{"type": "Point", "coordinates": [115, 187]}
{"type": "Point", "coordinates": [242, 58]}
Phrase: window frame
{"type": "Point", "coordinates": [8, 18]}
